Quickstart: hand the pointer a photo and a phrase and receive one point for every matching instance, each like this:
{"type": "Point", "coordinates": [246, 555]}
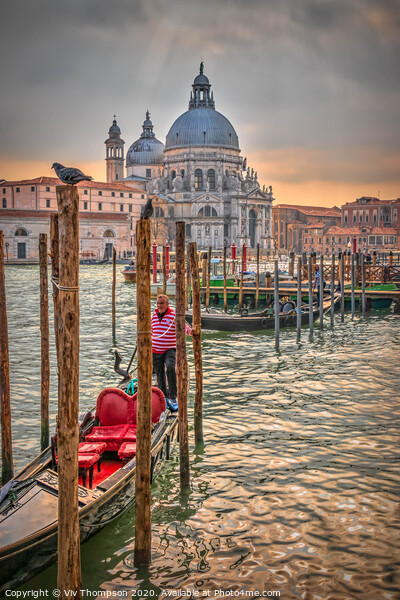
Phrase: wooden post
{"type": "Point", "coordinates": [342, 288]}
{"type": "Point", "coordinates": [241, 285]}
{"type": "Point", "coordinates": [321, 293]}
{"type": "Point", "coordinates": [55, 272]}
{"type": "Point", "coordinates": [353, 300]}
{"type": "Point", "coordinates": [390, 259]}
{"type": "Point", "coordinates": [114, 279]}
{"type": "Point", "coordinates": [225, 296]}
{"type": "Point", "coordinates": [333, 292]}
{"type": "Point", "coordinates": [196, 335]}
{"type": "Point", "coordinates": [357, 269]}
{"type": "Point", "coordinates": [188, 282]}
{"type": "Point", "coordinates": [363, 304]}
{"type": "Point", "coordinates": [7, 469]}
{"type": "Point", "coordinates": [181, 360]}
{"type": "Point", "coordinates": [291, 264]}
{"type": "Point", "coordinates": [142, 553]}
{"type": "Point", "coordinates": [208, 277]}
{"type": "Point", "coordinates": [204, 270]}
{"type": "Point", "coordinates": [258, 275]}
{"type": "Point", "coordinates": [45, 343]}
{"type": "Point", "coordinates": [298, 320]}
{"type": "Point", "coordinates": [164, 272]}
{"type": "Point", "coordinates": [310, 297]}
{"type": "Point", "coordinates": [69, 562]}
{"type": "Point", "coordinates": [276, 299]}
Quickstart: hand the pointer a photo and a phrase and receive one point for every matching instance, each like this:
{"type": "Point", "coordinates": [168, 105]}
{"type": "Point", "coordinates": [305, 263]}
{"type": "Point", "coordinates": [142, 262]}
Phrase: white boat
{"type": "Point", "coordinates": [157, 288]}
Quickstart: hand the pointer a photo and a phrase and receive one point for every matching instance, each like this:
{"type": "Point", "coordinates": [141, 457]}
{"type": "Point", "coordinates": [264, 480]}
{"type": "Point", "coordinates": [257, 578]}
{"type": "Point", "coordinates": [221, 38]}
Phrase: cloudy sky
{"type": "Point", "coordinates": [312, 87]}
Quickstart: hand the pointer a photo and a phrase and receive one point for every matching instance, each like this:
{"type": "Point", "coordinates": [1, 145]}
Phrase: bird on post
{"type": "Point", "coordinates": [147, 210]}
{"type": "Point", "coordinates": [70, 175]}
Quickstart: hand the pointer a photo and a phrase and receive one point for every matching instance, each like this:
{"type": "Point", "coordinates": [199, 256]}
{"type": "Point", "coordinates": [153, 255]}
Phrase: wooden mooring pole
{"type": "Point", "coordinates": [196, 334]}
{"type": "Point", "coordinates": [298, 319]}
{"type": "Point", "coordinates": [333, 292]}
{"type": "Point", "coordinates": [352, 274]}
{"type": "Point", "coordinates": [44, 343]}
{"type": "Point", "coordinates": [164, 271]}
{"type": "Point", "coordinates": [363, 300]}
{"type": "Point", "coordinates": [114, 279]}
{"type": "Point", "coordinates": [310, 296]}
{"type": "Point", "coordinates": [7, 469]}
{"type": "Point", "coordinates": [208, 271]}
{"type": "Point", "coordinates": [276, 299]}
{"type": "Point", "coordinates": [142, 552]}
{"type": "Point", "coordinates": [181, 359]}
{"type": "Point", "coordinates": [69, 562]}
{"type": "Point", "coordinates": [342, 287]}
{"type": "Point", "coordinates": [321, 292]}
{"type": "Point", "coordinates": [241, 283]}
{"type": "Point", "coordinates": [55, 272]}
{"type": "Point", "coordinates": [258, 275]}
{"type": "Point", "coordinates": [225, 295]}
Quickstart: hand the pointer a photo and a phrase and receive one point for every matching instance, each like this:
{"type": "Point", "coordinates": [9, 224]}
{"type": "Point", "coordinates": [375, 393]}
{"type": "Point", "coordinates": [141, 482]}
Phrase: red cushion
{"type": "Point", "coordinates": [87, 460]}
{"type": "Point", "coordinates": [127, 450]}
{"type": "Point", "coordinates": [114, 407]}
{"type": "Point", "coordinates": [130, 434]}
{"type": "Point", "coordinates": [158, 404]}
{"type": "Point", "coordinates": [92, 448]}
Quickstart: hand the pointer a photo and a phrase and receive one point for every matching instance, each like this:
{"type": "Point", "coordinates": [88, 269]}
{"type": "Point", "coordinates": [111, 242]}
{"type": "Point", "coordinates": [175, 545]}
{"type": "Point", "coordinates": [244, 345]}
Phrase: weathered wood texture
{"type": "Point", "coordinates": [181, 359]}
{"type": "Point", "coordinates": [164, 272]}
{"type": "Point", "coordinates": [276, 301]}
{"type": "Point", "coordinates": [7, 469]}
{"type": "Point", "coordinates": [114, 280]}
{"type": "Point", "coordinates": [258, 275]}
{"type": "Point", "coordinates": [45, 342]}
{"type": "Point", "coordinates": [69, 567]}
{"type": "Point", "coordinates": [196, 333]}
{"type": "Point", "coordinates": [55, 272]}
{"type": "Point", "coordinates": [298, 320]}
{"type": "Point", "coordinates": [142, 553]}
{"type": "Point", "coordinates": [208, 277]}
{"type": "Point", "coordinates": [241, 283]}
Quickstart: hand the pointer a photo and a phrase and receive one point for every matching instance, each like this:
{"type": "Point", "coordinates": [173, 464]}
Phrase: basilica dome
{"type": "Point", "coordinates": [147, 150]}
{"type": "Point", "coordinates": [202, 125]}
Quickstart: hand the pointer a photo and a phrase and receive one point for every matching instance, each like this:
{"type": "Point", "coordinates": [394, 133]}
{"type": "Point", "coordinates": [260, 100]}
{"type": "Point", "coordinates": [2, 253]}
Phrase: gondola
{"type": "Point", "coordinates": [28, 510]}
{"type": "Point", "coordinates": [246, 321]}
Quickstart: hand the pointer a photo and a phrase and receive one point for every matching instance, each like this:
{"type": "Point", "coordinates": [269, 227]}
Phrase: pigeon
{"type": "Point", "coordinates": [147, 210]}
{"type": "Point", "coordinates": [70, 175]}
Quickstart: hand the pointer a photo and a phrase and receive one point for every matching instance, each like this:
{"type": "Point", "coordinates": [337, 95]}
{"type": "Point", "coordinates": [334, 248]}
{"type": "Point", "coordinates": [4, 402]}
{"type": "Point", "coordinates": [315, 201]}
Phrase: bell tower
{"type": "Point", "coordinates": [114, 153]}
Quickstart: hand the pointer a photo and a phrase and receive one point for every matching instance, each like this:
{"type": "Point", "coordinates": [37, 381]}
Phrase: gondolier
{"type": "Point", "coordinates": [163, 335]}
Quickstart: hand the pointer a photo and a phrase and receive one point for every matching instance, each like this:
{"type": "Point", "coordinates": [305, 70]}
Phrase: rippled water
{"type": "Point", "coordinates": [297, 487]}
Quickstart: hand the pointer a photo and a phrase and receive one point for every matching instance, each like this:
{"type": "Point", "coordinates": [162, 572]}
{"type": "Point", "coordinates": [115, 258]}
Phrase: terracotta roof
{"type": "Point", "coordinates": [312, 210]}
{"type": "Point", "coordinates": [94, 216]}
{"type": "Point", "coordinates": [334, 230]}
{"type": "Point", "coordinates": [115, 185]}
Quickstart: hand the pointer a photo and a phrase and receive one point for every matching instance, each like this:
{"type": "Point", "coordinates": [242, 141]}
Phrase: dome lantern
{"type": "Point", "coordinates": [200, 96]}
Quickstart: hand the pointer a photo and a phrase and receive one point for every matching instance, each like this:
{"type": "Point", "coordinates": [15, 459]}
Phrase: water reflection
{"type": "Point", "coordinates": [297, 486]}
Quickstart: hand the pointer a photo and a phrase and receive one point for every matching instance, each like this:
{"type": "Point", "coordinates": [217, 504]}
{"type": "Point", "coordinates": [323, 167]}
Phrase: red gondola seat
{"type": "Point", "coordinates": [127, 450]}
{"type": "Point", "coordinates": [86, 464]}
{"type": "Point", "coordinates": [116, 412]}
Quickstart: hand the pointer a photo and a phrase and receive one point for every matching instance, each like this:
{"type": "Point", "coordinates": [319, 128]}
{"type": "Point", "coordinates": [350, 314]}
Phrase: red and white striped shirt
{"type": "Point", "coordinates": [163, 333]}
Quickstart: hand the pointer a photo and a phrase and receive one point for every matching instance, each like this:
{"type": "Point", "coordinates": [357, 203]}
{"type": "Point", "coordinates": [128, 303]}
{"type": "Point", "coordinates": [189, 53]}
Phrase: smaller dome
{"type": "Point", "coordinates": [201, 80]}
{"type": "Point", "coordinates": [147, 150]}
{"type": "Point", "coordinates": [114, 130]}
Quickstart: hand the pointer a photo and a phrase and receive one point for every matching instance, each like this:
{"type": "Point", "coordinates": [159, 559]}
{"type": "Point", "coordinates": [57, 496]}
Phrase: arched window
{"type": "Point", "coordinates": [207, 211]}
{"type": "Point", "coordinates": [211, 179]}
{"type": "Point", "coordinates": [214, 212]}
{"type": "Point", "coordinates": [108, 233]}
{"type": "Point", "coordinates": [158, 212]}
{"type": "Point", "coordinates": [201, 212]}
{"type": "Point", "coordinates": [182, 173]}
{"type": "Point", "coordinates": [21, 232]}
{"type": "Point", "coordinates": [173, 175]}
{"type": "Point", "coordinates": [198, 179]}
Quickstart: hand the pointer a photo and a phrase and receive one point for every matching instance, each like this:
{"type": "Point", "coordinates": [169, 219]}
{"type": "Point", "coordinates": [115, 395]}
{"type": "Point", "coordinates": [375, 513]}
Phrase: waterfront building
{"type": "Point", "coordinates": [300, 228]}
{"type": "Point", "coordinates": [107, 213]}
{"type": "Point", "coordinates": [199, 176]}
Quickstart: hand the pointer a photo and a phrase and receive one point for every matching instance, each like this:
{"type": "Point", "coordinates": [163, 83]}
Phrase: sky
{"type": "Point", "coordinates": [312, 87]}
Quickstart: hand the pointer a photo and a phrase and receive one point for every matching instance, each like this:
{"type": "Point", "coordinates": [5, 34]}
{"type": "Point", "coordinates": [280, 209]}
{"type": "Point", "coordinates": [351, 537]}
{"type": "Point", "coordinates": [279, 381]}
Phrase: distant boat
{"type": "Point", "coordinates": [129, 273]}
{"type": "Point", "coordinates": [157, 288]}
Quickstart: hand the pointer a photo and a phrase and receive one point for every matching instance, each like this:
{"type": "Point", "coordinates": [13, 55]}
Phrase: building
{"type": "Point", "coordinates": [198, 176]}
{"type": "Point", "coordinates": [107, 216]}
{"type": "Point", "coordinates": [301, 228]}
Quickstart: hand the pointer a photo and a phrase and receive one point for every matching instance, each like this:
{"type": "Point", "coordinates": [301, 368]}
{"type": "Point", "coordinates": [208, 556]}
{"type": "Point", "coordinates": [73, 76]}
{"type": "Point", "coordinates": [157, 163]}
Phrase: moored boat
{"type": "Point", "coordinates": [28, 509]}
{"type": "Point", "coordinates": [157, 288]}
{"type": "Point", "coordinates": [129, 273]}
{"type": "Point", "coordinates": [257, 321]}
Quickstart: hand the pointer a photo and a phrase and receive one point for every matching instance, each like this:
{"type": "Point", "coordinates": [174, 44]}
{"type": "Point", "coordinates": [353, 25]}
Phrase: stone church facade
{"type": "Point", "coordinates": [198, 176]}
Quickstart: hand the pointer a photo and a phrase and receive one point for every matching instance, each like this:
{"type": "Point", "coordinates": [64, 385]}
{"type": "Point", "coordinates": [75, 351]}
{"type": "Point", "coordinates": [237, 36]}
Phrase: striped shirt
{"type": "Point", "coordinates": [163, 333]}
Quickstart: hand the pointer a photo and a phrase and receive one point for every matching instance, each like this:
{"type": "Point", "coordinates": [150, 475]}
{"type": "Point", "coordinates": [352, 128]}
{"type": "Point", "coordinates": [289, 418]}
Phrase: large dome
{"type": "Point", "coordinates": [202, 125]}
{"type": "Point", "coordinates": [147, 150]}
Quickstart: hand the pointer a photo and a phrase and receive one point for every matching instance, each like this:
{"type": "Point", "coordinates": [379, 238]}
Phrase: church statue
{"type": "Point", "coordinates": [201, 67]}
{"type": "Point", "coordinates": [177, 184]}
{"type": "Point", "coordinates": [245, 164]}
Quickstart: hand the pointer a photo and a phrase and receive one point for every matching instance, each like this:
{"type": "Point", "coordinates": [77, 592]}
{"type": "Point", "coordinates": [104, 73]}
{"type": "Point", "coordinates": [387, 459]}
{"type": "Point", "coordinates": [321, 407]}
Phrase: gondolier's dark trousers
{"type": "Point", "coordinates": [166, 362]}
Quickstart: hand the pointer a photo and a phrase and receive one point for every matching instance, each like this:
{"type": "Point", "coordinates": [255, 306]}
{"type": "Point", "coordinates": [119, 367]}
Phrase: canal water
{"type": "Point", "coordinates": [296, 489]}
